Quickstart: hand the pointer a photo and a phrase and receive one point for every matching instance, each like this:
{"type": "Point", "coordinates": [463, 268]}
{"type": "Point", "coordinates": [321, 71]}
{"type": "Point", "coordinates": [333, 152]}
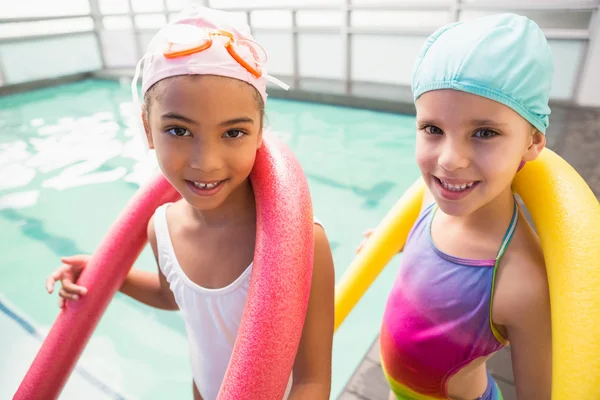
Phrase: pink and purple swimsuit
{"type": "Point", "coordinates": [438, 316]}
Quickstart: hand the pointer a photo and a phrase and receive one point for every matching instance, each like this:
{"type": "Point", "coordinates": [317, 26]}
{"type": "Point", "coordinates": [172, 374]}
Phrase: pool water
{"type": "Point", "coordinates": [68, 165]}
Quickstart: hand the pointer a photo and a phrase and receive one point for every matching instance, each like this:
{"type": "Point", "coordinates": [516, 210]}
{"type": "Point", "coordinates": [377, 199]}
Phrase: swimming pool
{"type": "Point", "coordinates": [67, 167]}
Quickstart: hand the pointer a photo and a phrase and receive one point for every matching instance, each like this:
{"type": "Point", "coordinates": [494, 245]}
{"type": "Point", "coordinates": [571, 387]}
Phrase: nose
{"type": "Point", "coordinates": [453, 155]}
{"type": "Point", "coordinates": [206, 156]}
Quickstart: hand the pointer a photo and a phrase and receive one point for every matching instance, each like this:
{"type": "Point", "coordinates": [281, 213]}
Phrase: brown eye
{"type": "Point", "coordinates": [178, 131]}
{"type": "Point", "coordinates": [234, 134]}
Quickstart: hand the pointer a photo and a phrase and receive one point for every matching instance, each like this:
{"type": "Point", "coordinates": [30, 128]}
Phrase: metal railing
{"type": "Point", "coordinates": [346, 30]}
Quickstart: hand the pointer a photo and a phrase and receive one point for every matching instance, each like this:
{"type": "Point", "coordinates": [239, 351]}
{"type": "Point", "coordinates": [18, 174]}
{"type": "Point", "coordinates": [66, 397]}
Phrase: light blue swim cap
{"type": "Point", "coordinates": [503, 57]}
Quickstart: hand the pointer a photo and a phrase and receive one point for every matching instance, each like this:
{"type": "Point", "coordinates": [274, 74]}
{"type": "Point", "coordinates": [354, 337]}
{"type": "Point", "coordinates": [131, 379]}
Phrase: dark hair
{"type": "Point", "coordinates": [154, 92]}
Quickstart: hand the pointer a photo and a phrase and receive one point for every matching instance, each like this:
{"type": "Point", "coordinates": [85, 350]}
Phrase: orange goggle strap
{"type": "Point", "coordinates": [186, 52]}
{"type": "Point", "coordinates": [206, 44]}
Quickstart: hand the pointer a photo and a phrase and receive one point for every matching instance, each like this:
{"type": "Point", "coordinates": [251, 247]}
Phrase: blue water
{"type": "Point", "coordinates": [68, 166]}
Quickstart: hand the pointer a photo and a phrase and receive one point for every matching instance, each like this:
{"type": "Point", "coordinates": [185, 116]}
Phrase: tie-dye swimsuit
{"type": "Point", "coordinates": [438, 316]}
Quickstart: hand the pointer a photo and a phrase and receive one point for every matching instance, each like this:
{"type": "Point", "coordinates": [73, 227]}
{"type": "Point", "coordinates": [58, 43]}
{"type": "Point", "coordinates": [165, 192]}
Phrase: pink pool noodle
{"type": "Point", "coordinates": [272, 323]}
{"type": "Point", "coordinates": [271, 327]}
{"type": "Point", "coordinates": [103, 277]}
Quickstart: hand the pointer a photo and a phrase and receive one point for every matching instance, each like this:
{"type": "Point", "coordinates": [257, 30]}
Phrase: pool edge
{"type": "Point", "coordinates": [382, 97]}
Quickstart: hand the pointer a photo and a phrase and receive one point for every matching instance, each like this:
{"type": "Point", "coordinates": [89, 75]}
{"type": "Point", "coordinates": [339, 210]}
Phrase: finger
{"type": "Point", "coordinates": [50, 281]}
{"type": "Point", "coordinates": [368, 232]}
{"type": "Point", "coordinates": [61, 302]}
{"type": "Point", "coordinates": [72, 267]}
{"type": "Point", "coordinates": [57, 275]}
{"type": "Point", "coordinates": [68, 296]}
{"type": "Point", "coordinates": [72, 288]}
{"type": "Point", "coordinates": [78, 261]}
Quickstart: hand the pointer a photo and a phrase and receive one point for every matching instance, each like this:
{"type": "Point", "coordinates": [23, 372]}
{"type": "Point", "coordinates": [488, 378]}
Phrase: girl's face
{"type": "Point", "coordinates": [469, 148]}
{"type": "Point", "coordinates": [205, 130]}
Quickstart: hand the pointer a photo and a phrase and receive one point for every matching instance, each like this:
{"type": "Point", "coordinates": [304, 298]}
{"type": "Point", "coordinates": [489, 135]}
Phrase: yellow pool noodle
{"type": "Point", "coordinates": [566, 215]}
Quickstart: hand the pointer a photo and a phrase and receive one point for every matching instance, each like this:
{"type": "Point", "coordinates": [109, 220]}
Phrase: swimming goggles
{"type": "Point", "coordinates": [183, 40]}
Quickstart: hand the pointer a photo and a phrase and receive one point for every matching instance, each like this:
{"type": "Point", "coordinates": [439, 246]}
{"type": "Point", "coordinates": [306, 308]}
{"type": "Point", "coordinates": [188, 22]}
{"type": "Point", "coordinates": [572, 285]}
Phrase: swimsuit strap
{"type": "Point", "coordinates": [509, 233]}
{"type": "Point", "coordinates": [505, 242]}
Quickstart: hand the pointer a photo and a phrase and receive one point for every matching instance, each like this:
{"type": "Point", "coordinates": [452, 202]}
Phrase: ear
{"type": "Point", "coordinates": [536, 145]}
{"type": "Point", "coordinates": [147, 129]}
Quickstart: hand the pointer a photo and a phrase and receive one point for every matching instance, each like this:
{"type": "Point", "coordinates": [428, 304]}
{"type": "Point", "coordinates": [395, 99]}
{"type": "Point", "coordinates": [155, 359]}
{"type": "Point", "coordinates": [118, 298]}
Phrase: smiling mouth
{"type": "Point", "coordinates": [206, 185]}
{"type": "Point", "coordinates": [455, 187]}
{"type": "Point", "coordinates": [205, 188]}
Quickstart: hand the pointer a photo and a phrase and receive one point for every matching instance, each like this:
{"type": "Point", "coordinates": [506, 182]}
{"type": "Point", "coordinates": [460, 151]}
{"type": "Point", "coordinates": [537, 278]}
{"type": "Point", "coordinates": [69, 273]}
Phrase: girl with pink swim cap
{"type": "Point", "coordinates": [204, 91]}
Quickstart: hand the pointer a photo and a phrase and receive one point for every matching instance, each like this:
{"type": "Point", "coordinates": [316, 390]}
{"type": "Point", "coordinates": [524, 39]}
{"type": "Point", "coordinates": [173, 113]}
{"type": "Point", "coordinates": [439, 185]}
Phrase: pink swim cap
{"type": "Point", "coordinates": [193, 28]}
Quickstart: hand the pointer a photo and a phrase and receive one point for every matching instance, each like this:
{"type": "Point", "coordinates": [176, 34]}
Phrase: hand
{"type": "Point", "coordinates": [367, 234]}
{"type": "Point", "coordinates": [68, 274]}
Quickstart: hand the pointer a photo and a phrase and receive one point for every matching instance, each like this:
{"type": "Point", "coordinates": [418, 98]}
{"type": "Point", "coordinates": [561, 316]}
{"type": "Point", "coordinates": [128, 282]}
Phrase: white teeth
{"type": "Point", "coordinates": [201, 185]}
{"type": "Point", "coordinates": [456, 188]}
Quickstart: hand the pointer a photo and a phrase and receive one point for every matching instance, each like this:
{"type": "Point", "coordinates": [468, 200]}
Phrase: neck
{"type": "Point", "coordinates": [496, 213]}
{"type": "Point", "coordinates": [239, 206]}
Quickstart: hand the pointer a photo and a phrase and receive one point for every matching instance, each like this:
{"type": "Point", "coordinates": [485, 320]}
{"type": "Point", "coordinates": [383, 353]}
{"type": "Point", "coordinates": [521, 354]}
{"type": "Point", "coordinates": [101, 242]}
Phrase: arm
{"type": "Point", "coordinates": [528, 327]}
{"type": "Point", "coordinates": [312, 367]}
{"type": "Point", "coordinates": [147, 287]}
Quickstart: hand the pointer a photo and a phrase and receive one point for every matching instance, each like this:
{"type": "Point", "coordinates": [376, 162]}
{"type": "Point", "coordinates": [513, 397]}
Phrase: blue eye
{"type": "Point", "coordinates": [432, 130]}
{"type": "Point", "coordinates": [234, 134]}
{"type": "Point", "coordinates": [178, 131]}
{"type": "Point", "coordinates": [485, 134]}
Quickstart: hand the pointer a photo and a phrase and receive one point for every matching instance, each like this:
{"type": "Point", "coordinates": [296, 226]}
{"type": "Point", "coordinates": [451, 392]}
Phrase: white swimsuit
{"type": "Point", "coordinates": [212, 316]}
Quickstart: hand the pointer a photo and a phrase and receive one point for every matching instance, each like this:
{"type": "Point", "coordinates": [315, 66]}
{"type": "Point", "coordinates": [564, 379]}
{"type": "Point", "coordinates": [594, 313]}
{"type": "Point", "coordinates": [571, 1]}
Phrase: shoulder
{"type": "Point", "coordinates": [151, 231]}
{"type": "Point", "coordinates": [158, 221]}
{"type": "Point", "coordinates": [320, 234]}
{"type": "Point", "coordinates": [321, 240]}
{"type": "Point", "coordinates": [522, 307]}
{"type": "Point", "coordinates": [522, 283]}
{"type": "Point", "coordinates": [323, 257]}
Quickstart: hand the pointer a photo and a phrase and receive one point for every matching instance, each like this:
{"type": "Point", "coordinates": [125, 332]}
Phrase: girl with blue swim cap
{"type": "Point", "coordinates": [472, 277]}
